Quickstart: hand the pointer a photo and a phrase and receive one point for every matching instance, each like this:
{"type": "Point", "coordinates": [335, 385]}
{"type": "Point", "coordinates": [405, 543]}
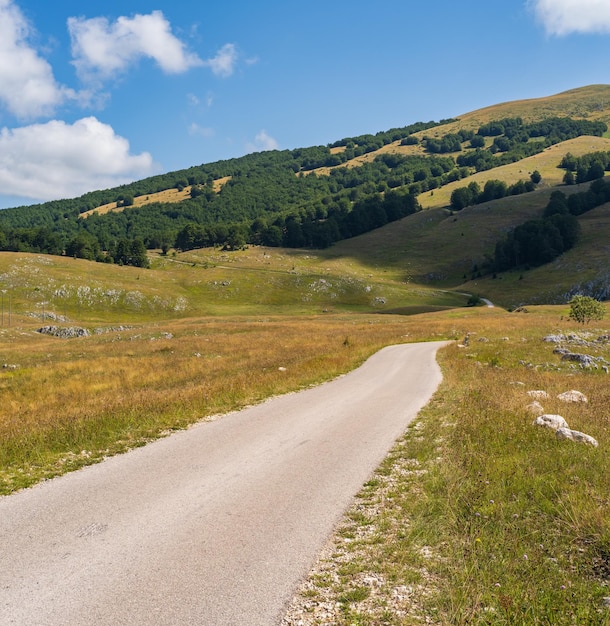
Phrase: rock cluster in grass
{"type": "Point", "coordinates": [584, 340]}
{"type": "Point", "coordinates": [111, 329]}
{"type": "Point", "coordinates": [557, 423]}
{"type": "Point", "coordinates": [64, 332]}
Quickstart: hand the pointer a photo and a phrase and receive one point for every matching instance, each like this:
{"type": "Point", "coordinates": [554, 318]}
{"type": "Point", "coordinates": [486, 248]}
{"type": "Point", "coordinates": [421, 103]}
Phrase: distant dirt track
{"type": "Point", "coordinates": [215, 525]}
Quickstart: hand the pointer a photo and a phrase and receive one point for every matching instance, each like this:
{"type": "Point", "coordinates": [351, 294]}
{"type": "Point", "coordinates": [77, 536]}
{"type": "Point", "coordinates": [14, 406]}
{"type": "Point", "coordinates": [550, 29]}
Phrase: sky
{"type": "Point", "coordinates": [98, 94]}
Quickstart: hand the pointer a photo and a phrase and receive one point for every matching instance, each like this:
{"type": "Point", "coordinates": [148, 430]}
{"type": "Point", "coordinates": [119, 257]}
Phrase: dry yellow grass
{"type": "Point", "coordinates": [592, 103]}
{"type": "Point", "coordinates": [106, 393]}
{"type": "Point", "coordinates": [220, 183]}
{"type": "Point", "coordinates": [166, 196]}
{"type": "Point", "coordinates": [169, 195]}
{"type": "Point", "coordinates": [546, 163]}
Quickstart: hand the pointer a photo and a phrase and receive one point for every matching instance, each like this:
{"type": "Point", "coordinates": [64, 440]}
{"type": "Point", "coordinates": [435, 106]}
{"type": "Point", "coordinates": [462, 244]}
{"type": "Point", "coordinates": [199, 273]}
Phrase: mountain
{"type": "Point", "coordinates": [430, 201]}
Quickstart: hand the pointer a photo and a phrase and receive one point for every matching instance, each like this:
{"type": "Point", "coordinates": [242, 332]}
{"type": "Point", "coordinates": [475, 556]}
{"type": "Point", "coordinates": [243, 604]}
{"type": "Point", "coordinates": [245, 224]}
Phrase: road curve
{"type": "Point", "coordinates": [215, 525]}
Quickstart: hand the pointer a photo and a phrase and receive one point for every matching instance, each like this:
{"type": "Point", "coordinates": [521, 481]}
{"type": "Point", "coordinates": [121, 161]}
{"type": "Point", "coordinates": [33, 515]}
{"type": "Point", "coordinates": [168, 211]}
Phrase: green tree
{"type": "Point", "coordinates": [568, 178]}
{"type": "Point", "coordinates": [584, 309]}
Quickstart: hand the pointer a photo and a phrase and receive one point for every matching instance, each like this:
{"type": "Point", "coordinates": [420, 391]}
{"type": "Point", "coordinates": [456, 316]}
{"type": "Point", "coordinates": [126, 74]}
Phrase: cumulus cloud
{"type": "Point", "coordinates": [28, 88]}
{"type": "Point", "coordinates": [59, 160]}
{"type": "Point", "coordinates": [562, 17]}
{"type": "Point", "coordinates": [263, 141]}
{"type": "Point", "coordinates": [103, 49]}
{"type": "Point", "coordinates": [223, 64]}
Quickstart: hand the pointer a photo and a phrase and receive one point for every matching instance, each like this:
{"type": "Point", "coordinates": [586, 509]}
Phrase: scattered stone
{"type": "Point", "coordinates": [112, 329]}
{"type": "Point", "coordinates": [483, 339]}
{"type": "Point", "coordinates": [573, 396]}
{"type": "Point", "coordinates": [10, 366]}
{"type": "Point", "coordinates": [538, 394]}
{"type": "Point", "coordinates": [585, 360]}
{"type": "Point", "coordinates": [535, 407]}
{"type": "Point", "coordinates": [281, 369]}
{"type": "Point", "coordinates": [575, 435]}
{"type": "Point", "coordinates": [505, 339]}
{"type": "Point", "coordinates": [64, 332]}
{"type": "Point", "coordinates": [554, 338]}
{"type": "Point", "coordinates": [606, 601]}
{"type": "Point", "coordinates": [551, 421]}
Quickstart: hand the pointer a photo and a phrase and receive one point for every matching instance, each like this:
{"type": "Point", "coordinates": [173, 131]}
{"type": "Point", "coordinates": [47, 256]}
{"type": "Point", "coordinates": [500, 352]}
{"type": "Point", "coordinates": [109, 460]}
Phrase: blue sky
{"type": "Point", "coordinates": [97, 94]}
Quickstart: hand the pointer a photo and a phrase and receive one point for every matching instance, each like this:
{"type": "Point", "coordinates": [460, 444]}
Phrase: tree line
{"type": "Point", "coordinates": [274, 198]}
{"type": "Point", "coordinates": [539, 241]}
{"type": "Point", "coordinates": [462, 197]}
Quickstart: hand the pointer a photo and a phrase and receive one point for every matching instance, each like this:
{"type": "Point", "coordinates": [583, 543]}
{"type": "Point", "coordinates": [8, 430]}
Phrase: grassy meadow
{"type": "Point", "coordinates": [199, 334]}
{"type": "Point", "coordinates": [476, 517]}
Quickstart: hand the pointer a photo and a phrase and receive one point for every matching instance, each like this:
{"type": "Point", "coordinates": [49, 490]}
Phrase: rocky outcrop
{"type": "Point", "coordinates": [64, 332]}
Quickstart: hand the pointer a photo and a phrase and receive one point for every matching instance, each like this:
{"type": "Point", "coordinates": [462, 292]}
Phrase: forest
{"type": "Point", "coordinates": [276, 198]}
{"type": "Point", "coordinates": [537, 242]}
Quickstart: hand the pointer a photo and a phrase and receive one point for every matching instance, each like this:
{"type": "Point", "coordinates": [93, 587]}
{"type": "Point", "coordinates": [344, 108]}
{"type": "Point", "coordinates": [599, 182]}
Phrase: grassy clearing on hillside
{"type": "Point", "coordinates": [584, 269]}
{"type": "Point", "coordinates": [166, 196]}
{"type": "Point", "coordinates": [477, 516]}
{"type": "Point", "coordinates": [546, 163]}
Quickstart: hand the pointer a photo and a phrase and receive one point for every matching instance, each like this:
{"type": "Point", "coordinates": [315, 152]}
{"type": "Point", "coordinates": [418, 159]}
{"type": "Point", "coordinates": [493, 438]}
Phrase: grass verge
{"type": "Point", "coordinates": [477, 516]}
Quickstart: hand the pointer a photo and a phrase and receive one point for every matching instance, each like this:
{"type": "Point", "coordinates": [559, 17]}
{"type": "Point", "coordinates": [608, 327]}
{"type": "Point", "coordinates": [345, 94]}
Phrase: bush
{"type": "Point", "coordinates": [584, 309]}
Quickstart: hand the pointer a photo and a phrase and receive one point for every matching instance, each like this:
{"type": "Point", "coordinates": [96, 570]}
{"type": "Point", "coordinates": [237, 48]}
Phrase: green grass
{"type": "Point", "coordinates": [477, 516]}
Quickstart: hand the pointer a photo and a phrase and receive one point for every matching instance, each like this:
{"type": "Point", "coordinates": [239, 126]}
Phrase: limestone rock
{"type": "Point", "coordinates": [572, 396]}
{"type": "Point", "coordinates": [535, 407]}
{"type": "Point", "coordinates": [538, 394]}
{"type": "Point", "coordinates": [554, 422]}
{"type": "Point", "coordinates": [575, 435]}
{"type": "Point", "coordinates": [584, 360]}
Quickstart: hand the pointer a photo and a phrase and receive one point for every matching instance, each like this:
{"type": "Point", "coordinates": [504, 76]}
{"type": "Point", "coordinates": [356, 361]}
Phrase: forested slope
{"type": "Point", "coordinates": [282, 198]}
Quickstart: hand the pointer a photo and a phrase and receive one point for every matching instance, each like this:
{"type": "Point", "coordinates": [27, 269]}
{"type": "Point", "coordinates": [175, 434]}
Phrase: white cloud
{"type": "Point", "coordinates": [102, 49]}
{"type": "Point", "coordinates": [58, 160]}
{"type": "Point", "coordinates": [27, 86]}
{"type": "Point", "coordinates": [262, 141]}
{"type": "Point", "coordinates": [223, 64]}
{"type": "Point", "coordinates": [562, 17]}
{"type": "Point", "coordinates": [201, 131]}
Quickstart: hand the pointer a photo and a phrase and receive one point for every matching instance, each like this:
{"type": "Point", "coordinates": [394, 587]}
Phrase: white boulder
{"type": "Point", "coordinates": [551, 421]}
{"type": "Point", "coordinates": [575, 435]}
{"type": "Point", "coordinates": [572, 396]}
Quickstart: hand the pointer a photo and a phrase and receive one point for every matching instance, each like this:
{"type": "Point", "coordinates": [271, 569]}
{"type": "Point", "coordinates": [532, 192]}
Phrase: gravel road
{"type": "Point", "coordinates": [215, 525]}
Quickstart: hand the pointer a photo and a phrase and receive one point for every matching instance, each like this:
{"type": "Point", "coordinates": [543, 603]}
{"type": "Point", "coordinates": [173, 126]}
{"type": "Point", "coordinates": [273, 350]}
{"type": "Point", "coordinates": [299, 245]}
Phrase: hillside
{"type": "Point", "coordinates": [383, 200]}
